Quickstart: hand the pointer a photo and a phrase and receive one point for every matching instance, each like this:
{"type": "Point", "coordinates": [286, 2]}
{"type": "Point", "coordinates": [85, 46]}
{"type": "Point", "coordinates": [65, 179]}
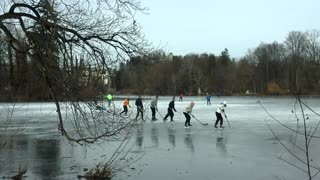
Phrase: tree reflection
{"type": "Point", "coordinates": [139, 138]}
{"type": "Point", "coordinates": [154, 134]}
{"type": "Point", "coordinates": [47, 152]}
{"type": "Point", "coordinates": [221, 143]}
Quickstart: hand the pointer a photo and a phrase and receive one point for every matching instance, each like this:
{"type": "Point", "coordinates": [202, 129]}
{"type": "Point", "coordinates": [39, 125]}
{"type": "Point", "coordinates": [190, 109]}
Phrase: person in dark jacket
{"type": "Point", "coordinates": [170, 112]}
{"type": "Point", "coordinates": [139, 107]}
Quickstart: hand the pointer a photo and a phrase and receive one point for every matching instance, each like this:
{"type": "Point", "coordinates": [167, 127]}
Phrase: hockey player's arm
{"type": "Point", "coordinates": [222, 111]}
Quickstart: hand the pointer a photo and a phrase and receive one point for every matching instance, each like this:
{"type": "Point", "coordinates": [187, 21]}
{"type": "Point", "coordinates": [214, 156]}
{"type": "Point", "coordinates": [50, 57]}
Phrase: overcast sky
{"type": "Point", "coordinates": [197, 26]}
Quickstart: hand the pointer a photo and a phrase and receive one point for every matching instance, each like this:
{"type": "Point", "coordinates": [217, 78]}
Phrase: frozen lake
{"type": "Point", "coordinates": [248, 150]}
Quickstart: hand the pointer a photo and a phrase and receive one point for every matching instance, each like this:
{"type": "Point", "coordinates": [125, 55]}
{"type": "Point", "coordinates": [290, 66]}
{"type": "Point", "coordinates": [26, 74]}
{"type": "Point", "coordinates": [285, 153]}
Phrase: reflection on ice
{"type": "Point", "coordinates": [140, 136]}
{"type": "Point", "coordinates": [154, 135]}
{"type": "Point", "coordinates": [168, 148]}
{"type": "Point", "coordinates": [171, 136]}
{"type": "Point", "coordinates": [42, 156]}
{"type": "Point", "coordinates": [221, 143]}
{"type": "Point", "coordinates": [188, 140]}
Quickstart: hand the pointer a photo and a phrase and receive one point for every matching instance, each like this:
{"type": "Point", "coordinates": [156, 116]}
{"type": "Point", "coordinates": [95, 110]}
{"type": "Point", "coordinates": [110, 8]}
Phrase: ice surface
{"type": "Point", "coordinates": [248, 150]}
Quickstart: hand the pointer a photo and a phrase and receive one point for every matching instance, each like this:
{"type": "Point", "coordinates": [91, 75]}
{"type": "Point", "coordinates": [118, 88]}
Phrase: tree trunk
{"type": "Point", "coordinates": [11, 66]}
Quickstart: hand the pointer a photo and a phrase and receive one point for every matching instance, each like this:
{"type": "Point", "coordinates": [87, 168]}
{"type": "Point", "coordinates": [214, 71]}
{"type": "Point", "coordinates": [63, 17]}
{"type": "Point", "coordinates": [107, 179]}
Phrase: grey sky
{"type": "Point", "coordinates": [197, 26]}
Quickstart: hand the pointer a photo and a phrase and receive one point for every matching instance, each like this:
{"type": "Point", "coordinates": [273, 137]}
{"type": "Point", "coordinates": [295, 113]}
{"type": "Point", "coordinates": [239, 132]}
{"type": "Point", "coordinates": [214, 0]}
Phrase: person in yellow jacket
{"type": "Point", "coordinates": [187, 113]}
{"type": "Point", "coordinates": [125, 106]}
{"type": "Point", "coordinates": [109, 98]}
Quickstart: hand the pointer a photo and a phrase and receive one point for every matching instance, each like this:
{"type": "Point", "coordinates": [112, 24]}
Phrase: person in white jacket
{"type": "Point", "coordinates": [219, 113]}
{"type": "Point", "coordinates": [187, 113]}
{"type": "Point", "coordinates": [154, 108]}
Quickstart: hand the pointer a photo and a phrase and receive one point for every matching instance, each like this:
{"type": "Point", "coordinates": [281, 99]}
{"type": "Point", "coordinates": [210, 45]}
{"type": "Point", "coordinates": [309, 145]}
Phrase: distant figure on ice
{"type": "Point", "coordinates": [170, 112]}
{"type": "Point", "coordinates": [154, 108]}
{"type": "Point", "coordinates": [181, 97]}
{"type": "Point", "coordinates": [139, 107]}
{"type": "Point", "coordinates": [218, 94]}
{"type": "Point", "coordinates": [220, 111]}
{"type": "Point", "coordinates": [187, 113]}
{"type": "Point", "coordinates": [98, 107]}
{"type": "Point", "coordinates": [208, 97]}
{"type": "Point", "coordinates": [109, 98]}
{"type": "Point", "coordinates": [125, 106]}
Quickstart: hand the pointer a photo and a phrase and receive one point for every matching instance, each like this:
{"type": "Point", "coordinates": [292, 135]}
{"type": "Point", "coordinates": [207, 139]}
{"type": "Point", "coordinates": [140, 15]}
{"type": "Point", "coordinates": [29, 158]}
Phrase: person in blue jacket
{"type": "Point", "coordinates": [208, 97]}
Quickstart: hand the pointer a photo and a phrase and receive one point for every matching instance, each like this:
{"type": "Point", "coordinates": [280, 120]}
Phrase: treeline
{"type": "Point", "coordinates": [273, 68]}
{"type": "Point", "coordinates": [290, 67]}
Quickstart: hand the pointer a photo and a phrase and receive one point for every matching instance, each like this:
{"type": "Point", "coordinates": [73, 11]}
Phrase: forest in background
{"type": "Point", "coordinates": [74, 51]}
{"type": "Point", "coordinates": [49, 60]}
{"type": "Point", "coordinates": [291, 67]}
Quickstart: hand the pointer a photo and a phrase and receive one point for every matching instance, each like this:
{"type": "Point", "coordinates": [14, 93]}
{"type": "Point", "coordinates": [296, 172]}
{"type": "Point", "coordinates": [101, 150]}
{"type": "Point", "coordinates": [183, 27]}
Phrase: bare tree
{"type": "Point", "coordinates": [269, 58]}
{"type": "Point", "coordinates": [57, 34]}
{"type": "Point", "coordinates": [313, 45]}
{"type": "Point", "coordinates": [64, 41]}
{"type": "Point", "coordinates": [312, 64]}
{"type": "Point", "coordinates": [302, 152]}
{"type": "Point", "coordinates": [296, 44]}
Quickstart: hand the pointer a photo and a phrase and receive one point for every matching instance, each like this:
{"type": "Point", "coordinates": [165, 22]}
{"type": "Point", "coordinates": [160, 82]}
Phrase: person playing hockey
{"type": "Point", "coordinates": [170, 111]}
{"type": "Point", "coordinates": [187, 113]}
{"type": "Point", "coordinates": [109, 98]}
{"type": "Point", "coordinates": [154, 108]}
{"type": "Point", "coordinates": [208, 97]}
{"type": "Point", "coordinates": [219, 113]}
{"type": "Point", "coordinates": [125, 106]}
{"type": "Point", "coordinates": [139, 105]}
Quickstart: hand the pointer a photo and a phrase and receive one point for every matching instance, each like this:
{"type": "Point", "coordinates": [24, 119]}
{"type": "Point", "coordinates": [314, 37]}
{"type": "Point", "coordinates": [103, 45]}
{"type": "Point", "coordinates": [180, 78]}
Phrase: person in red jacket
{"type": "Point", "coordinates": [125, 106]}
{"type": "Point", "coordinates": [181, 97]}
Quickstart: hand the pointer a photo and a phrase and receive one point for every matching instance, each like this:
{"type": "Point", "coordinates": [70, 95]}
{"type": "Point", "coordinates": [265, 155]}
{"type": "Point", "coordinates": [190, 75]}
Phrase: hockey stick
{"type": "Point", "coordinates": [204, 124]}
{"type": "Point", "coordinates": [159, 114]}
{"type": "Point", "coordinates": [227, 121]}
